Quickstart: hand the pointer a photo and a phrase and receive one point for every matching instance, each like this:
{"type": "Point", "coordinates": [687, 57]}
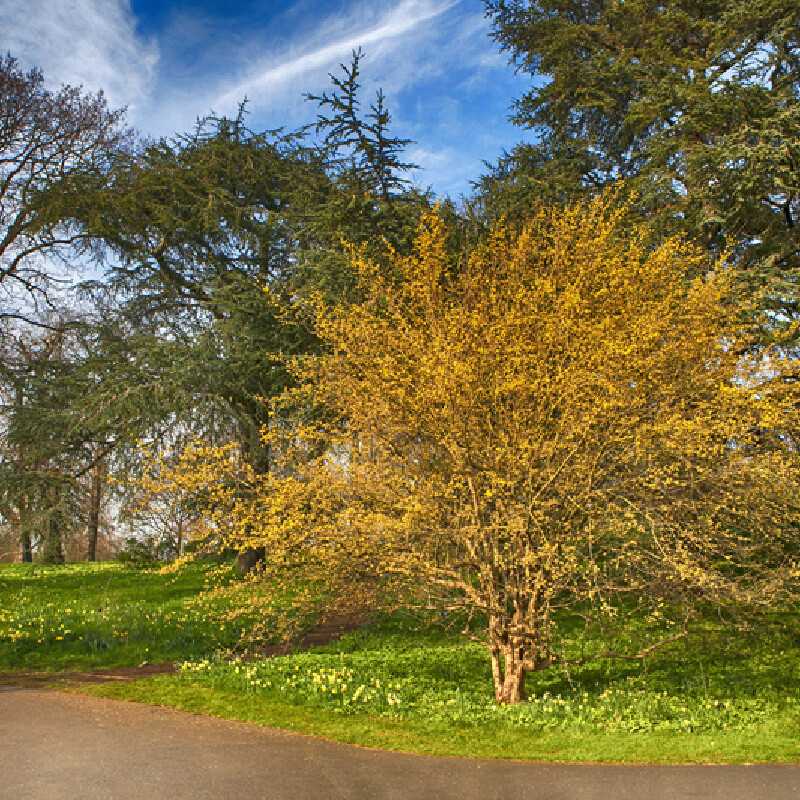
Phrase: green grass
{"type": "Point", "coordinates": [404, 683]}
{"type": "Point", "coordinates": [82, 616]}
{"type": "Point", "coordinates": [401, 684]}
{"type": "Point", "coordinates": [765, 743]}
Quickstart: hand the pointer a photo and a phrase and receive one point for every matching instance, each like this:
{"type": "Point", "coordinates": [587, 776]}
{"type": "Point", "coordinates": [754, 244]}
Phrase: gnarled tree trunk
{"type": "Point", "coordinates": [508, 673]}
{"type": "Point", "coordinates": [516, 650]}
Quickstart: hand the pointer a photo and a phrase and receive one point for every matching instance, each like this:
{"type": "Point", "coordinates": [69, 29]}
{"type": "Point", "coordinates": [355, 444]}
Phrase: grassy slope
{"type": "Point", "coordinates": [83, 616]}
{"type": "Point", "coordinates": [422, 690]}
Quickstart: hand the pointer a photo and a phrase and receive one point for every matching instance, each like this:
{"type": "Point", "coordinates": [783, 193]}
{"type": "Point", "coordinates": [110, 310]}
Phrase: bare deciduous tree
{"type": "Point", "coordinates": [52, 144]}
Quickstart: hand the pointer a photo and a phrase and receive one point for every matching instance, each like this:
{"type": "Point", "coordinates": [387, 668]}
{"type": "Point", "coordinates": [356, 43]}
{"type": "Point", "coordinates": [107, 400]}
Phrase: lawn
{"type": "Point", "coordinates": [404, 683]}
{"type": "Point", "coordinates": [83, 616]}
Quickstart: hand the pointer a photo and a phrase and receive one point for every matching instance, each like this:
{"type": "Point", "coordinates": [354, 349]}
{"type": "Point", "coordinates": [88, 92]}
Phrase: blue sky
{"type": "Point", "coordinates": [448, 86]}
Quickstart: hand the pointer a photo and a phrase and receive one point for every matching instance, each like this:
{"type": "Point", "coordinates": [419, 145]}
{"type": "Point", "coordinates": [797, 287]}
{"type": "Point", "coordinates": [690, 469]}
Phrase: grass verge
{"type": "Point", "coordinates": [766, 744]}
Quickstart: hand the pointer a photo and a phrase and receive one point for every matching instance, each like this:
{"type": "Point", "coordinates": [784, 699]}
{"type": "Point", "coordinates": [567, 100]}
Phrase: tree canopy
{"type": "Point", "coordinates": [572, 396]}
{"type": "Point", "coordinates": [693, 104]}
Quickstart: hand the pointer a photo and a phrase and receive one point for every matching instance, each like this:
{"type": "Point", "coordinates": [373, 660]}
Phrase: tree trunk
{"type": "Point", "coordinates": [95, 500]}
{"type": "Point", "coordinates": [508, 676]}
{"type": "Point", "coordinates": [513, 656]}
{"type": "Point", "coordinates": [249, 559]}
{"type": "Point", "coordinates": [27, 546]}
{"type": "Point", "coordinates": [53, 549]}
{"type": "Point", "coordinates": [257, 454]}
{"type": "Point", "coordinates": [24, 529]}
{"type": "Point", "coordinates": [53, 545]}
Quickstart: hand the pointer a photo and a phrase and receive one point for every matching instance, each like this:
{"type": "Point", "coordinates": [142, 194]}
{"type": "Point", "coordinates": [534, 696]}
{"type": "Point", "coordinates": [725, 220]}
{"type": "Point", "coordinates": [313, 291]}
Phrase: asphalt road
{"type": "Point", "coordinates": [56, 746]}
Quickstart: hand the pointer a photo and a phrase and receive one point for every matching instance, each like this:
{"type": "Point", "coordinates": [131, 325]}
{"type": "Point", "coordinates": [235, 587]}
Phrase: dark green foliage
{"type": "Point", "coordinates": [360, 147]}
{"type": "Point", "coordinates": [373, 201]}
{"type": "Point", "coordinates": [199, 231]}
{"type": "Point", "coordinates": [215, 236]}
{"type": "Point", "coordinates": [693, 103]}
{"type": "Point", "coordinates": [206, 244]}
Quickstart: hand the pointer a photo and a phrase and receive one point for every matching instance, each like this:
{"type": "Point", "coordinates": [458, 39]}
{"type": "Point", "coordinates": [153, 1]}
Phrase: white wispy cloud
{"type": "Point", "coordinates": [400, 20]}
{"type": "Point", "coordinates": [93, 43]}
{"type": "Point", "coordinates": [434, 59]}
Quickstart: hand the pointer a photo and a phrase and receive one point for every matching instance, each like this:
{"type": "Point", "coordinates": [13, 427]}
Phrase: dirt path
{"type": "Point", "coordinates": [41, 680]}
{"type": "Point", "coordinates": [55, 746]}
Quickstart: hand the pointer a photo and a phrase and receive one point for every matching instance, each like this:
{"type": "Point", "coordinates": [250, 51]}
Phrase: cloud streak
{"type": "Point", "coordinates": [404, 18]}
{"type": "Point", "coordinates": [93, 43]}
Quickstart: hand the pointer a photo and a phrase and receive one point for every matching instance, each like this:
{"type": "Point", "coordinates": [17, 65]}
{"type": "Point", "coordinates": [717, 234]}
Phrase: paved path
{"type": "Point", "coordinates": [65, 747]}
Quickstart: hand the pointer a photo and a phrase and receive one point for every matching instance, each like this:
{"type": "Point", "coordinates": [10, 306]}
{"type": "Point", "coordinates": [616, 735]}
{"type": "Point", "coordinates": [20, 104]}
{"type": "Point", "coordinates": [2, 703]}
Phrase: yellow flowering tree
{"type": "Point", "coordinates": [572, 420]}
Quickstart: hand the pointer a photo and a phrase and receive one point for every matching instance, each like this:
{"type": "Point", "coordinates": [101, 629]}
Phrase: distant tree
{"type": "Point", "coordinates": [35, 484]}
{"type": "Point", "coordinates": [76, 398]}
{"type": "Point", "coordinates": [695, 103]}
{"type": "Point", "coordinates": [51, 142]}
{"type": "Point", "coordinates": [155, 509]}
